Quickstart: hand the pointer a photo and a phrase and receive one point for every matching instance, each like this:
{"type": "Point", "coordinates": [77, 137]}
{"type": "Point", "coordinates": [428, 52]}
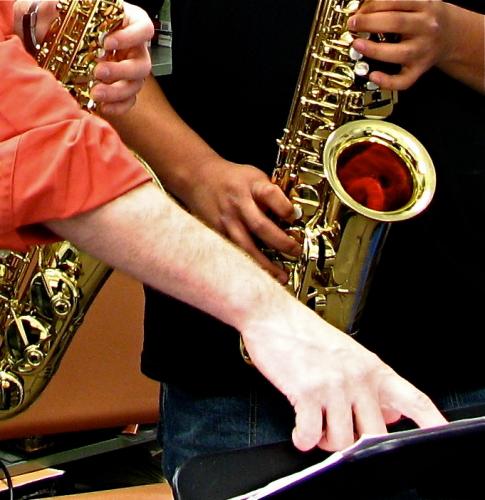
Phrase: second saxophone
{"type": "Point", "coordinates": [348, 173]}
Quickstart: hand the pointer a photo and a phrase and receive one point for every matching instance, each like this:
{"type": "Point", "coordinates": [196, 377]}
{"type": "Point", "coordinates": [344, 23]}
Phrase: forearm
{"type": "Point", "coordinates": [174, 151]}
{"type": "Point", "coordinates": [465, 59]}
{"type": "Point", "coordinates": [145, 234]}
{"type": "Point", "coordinates": [337, 388]}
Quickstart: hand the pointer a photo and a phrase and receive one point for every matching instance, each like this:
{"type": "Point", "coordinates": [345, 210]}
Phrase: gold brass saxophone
{"type": "Point", "coordinates": [45, 292]}
{"type": "Point", "coordinates": [348, 173]}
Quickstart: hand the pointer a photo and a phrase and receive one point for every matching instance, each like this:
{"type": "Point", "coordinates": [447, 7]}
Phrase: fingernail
{"type": "Point", "coordinates": [359, 45]}
{"type": "Point", "coordinates": [351, 23]}
{"type": "Point", "coordinates": [111, 44]}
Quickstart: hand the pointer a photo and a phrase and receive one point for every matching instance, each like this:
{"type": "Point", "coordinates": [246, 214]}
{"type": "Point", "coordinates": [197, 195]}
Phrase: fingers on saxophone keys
{"type": "Point", "coordinates": [239, 235]}
{"type": "Point", "coordinates": [273, 237]}
{"type": "Point", "coordinates": [116, 92]}
{"type": "Point", "coordinates": [133, 69]}
{"type": "Point", "coordinates": [265, 193]}
{"type": "Point", "coordinates": [118, 108]}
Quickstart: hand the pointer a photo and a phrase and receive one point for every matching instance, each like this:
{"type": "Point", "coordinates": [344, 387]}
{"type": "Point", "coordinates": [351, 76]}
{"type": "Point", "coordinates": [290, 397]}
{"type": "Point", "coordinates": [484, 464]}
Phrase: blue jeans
{"type": "Point", "coordinates": [192, 425]}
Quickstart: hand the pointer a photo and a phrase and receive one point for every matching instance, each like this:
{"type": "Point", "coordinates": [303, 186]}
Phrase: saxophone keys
{"type": "Point", "coordinates": [307, 198]}
{"type": "Point", "coordinates": [353, 6]}
{"type": "Point", "coordinates": [355, 55]}
{"type": "Point", "coordinates": [361, 68]}
{"type": "Point", "coordinates": [297, 211]}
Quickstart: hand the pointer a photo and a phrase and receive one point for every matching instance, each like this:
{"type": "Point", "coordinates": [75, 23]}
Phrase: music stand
{"type": "Point", "coordinates": [442, 463]}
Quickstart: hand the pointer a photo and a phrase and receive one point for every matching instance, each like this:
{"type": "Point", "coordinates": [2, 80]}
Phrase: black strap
{"type": "Point", "coordinates": [29, 23]}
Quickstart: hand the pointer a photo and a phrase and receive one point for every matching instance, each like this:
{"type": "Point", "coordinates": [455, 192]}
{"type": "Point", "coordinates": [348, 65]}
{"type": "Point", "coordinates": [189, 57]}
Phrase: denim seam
{"type": "Point", "coordinates": [253, 406]}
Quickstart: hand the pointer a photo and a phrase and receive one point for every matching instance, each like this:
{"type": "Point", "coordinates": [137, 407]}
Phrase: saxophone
{"type": "Point", "coordinates": [45, 292]}
{"type": "Point", "coordinates": [348, 173]}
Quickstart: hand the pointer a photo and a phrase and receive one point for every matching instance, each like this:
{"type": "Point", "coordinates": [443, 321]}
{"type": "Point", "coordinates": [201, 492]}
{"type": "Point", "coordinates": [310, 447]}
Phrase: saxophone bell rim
{"type": "Point", "coordinates": [406, 147]}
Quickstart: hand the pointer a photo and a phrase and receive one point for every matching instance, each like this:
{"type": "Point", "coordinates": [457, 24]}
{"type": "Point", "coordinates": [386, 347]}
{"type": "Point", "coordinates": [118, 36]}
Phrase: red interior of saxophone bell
{"type": "Point", "coordinates": [375, 176]}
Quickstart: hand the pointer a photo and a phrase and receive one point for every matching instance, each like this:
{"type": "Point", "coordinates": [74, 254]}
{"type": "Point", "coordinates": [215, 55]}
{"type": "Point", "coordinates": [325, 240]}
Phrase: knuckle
{"type": "Point", "coordinates": [434, 28]}
{"type": "Point", "coordinates": [147, 66]}
{"type": "Point", "coordinates": [289, 245]}
{"type": "Point", "coordinates": [422, 402]}
{"type": "Point", "coordinates": [305, 389]}
{"type": "Point", "coordinates": [256, 224]}
{"type": "Point", "coordinates": [267, 189]}
{"type": "Point", "coordinates": [408, 53]}
{"type": "Point", "coordinates": [222, 223]}
{"type": "Point", "coordinates": [359, 373]}
{"type": "Point", "coordinates": [335, 381]}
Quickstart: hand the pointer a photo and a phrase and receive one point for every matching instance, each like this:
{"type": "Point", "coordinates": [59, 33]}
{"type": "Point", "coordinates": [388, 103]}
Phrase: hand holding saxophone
{"type": "Point", "coordinates": [122, 71]}
{"type": "Point", "coordinates": [237, 201]}
{"type": "Point", "coordinates": [430, 34]}
{"type": "Point", "coordinates": [122, 75]}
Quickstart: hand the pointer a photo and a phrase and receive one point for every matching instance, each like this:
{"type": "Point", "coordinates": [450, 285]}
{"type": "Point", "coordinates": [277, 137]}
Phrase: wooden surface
{"type": "Point", "coordinates": [159, 491]}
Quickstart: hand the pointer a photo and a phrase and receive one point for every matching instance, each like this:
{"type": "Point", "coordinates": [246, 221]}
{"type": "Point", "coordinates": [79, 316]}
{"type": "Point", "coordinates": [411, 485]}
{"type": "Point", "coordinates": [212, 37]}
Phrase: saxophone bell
{"type": "Point", "coordinates": [377, 174]}
{"type": "Point", "coordinates": [379, 170]}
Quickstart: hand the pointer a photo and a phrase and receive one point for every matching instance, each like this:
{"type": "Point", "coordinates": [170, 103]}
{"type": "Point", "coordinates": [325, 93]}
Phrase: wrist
{"type": "Point", "coordinates": [20, 8]}
{"type": "Point", "coordinates": [187, 178]}
{"type": "Point", "coordinates": [32, 20]}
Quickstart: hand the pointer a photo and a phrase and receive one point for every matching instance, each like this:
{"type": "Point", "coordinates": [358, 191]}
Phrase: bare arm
{"type": "Point", "coordinates": [233, 199]}
{"type": "Point", "coordinates": [337, 387]}
{"type": "Point", "coordinates": [432, 34]}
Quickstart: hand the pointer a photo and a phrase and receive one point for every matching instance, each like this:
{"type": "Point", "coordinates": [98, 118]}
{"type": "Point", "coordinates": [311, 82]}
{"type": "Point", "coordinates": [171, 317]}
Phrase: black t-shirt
{"type": "Point", "coordinates": [151, 6]}
{"type": "Point", "coordinates": [235, 66]}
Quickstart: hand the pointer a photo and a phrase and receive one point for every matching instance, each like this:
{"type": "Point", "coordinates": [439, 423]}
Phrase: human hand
{"type": "Point", "coordinates": [236, 200]}
{"type": "Point", "coordinates": [122, 72]}
{"type": "Point", "coordinates": [339, 390]}
{"type": "Point", "coordinates": [121, 76]}
{"type": "Point", "coordinates": [422, 27]}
